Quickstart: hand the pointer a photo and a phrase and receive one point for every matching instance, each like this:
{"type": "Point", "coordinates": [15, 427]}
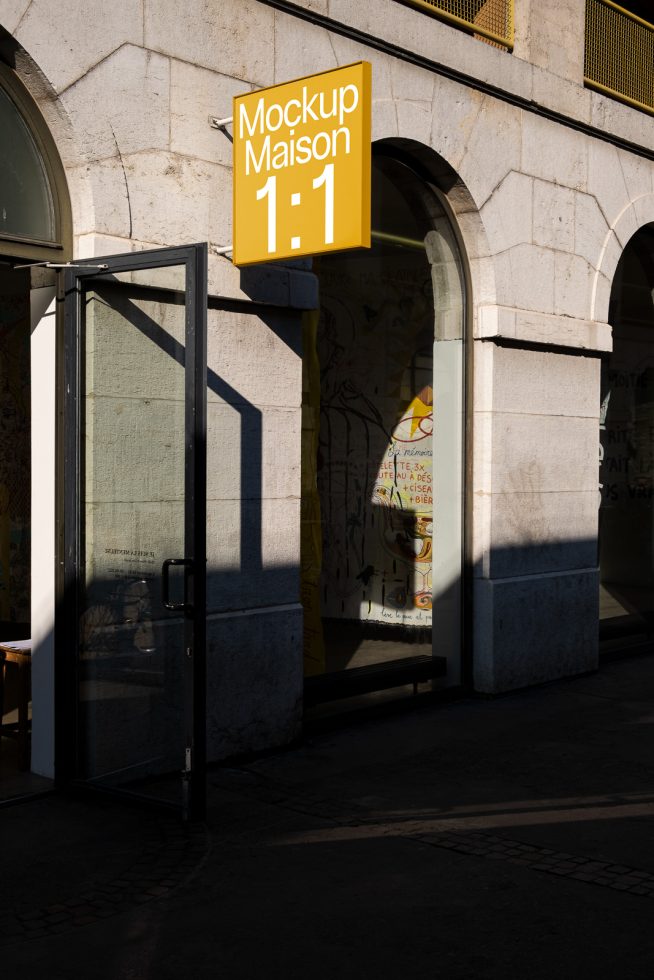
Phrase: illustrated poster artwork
{"type": "Point", "coordinates": [375, 472]}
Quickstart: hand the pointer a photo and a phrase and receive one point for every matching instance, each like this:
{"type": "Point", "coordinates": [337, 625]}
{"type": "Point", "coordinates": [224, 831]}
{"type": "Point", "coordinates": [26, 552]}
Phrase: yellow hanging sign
{"type": "Point", "coordinates": [302, 166]}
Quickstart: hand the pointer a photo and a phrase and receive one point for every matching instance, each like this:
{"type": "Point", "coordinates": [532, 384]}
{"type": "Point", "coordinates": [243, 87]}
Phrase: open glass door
{"type": "Point", "coordinates": [135, 523]}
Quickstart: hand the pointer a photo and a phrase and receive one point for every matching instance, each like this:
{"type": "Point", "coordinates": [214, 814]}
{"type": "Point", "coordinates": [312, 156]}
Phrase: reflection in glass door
{"type": "Point", "coordinates": [135, 521]}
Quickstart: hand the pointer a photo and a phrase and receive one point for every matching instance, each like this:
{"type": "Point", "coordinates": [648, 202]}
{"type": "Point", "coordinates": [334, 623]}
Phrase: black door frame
{"type": "Point", "coordinates": [74, 278]}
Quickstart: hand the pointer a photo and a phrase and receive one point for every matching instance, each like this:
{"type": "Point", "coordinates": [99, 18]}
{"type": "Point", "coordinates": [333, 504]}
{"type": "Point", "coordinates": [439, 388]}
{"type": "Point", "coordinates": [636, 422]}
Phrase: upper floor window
{"type": "Point", "coordinates": [641, 8]}
{"type": "Point", "coordinates": [488, 20]}
{"type": "Point", "coordinates": [619, 53]}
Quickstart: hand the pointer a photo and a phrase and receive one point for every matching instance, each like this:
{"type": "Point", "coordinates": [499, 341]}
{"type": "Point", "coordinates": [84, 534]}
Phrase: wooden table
{"type": "Point", "coordinates": [17, 654]}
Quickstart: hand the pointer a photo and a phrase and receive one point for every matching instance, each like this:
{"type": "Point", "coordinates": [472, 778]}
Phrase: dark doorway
{"type": "Point", "coordinates": [626, 518]}
{"type": "Point", "coordinates": [15, 529]}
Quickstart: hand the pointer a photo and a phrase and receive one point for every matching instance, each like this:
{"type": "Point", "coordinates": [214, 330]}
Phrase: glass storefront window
{"type": "Point", "coordinates": [626, 519]}
{"type": "Point", "coordinates": [383, 413]}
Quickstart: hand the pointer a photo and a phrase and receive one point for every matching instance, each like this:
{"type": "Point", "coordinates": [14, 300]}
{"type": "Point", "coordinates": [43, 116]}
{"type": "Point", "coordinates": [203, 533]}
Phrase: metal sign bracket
{"type": "Point", "coordinates": [61, 265]}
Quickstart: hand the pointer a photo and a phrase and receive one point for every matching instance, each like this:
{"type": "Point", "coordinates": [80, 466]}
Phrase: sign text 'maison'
{"type": "Point", "coordinates": [302, 166]}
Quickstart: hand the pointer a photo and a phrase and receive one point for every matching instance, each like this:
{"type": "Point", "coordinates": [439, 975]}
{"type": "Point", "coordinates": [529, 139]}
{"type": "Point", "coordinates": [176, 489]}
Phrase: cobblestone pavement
{"type": "Point", "coordinates": [356, 824]}
{"type": "Point", "coordinates": [580, 868]}
{"type": "Point", "coordinates": [162, 858]}
{"type": "Point", "coordinates": [511, 838]}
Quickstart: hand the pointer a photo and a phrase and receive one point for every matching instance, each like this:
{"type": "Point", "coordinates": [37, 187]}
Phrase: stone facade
{"type": "Point", "coordinates": [545, 196]}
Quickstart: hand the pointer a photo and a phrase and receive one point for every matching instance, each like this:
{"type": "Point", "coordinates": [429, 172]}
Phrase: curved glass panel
{"type": "Point", "coordinates": [26, 206]}
{"type": "Point", "coordinates": [382, 451]}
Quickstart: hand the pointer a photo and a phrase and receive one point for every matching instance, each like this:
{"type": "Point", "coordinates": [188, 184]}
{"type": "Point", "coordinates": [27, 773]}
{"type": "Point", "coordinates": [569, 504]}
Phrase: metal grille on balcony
{"type": "Point", "coordinates": [489, 20]}
{"type": "Point", "coordinates": [619, 55]}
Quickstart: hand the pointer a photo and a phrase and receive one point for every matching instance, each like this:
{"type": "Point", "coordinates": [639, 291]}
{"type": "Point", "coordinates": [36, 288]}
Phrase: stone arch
{"type": "Point", "coordinates": [466, 218]}
{"type": "Point", "coordinates": [66, 160]}
{"type": "Point", "coordinates": [635, 215]}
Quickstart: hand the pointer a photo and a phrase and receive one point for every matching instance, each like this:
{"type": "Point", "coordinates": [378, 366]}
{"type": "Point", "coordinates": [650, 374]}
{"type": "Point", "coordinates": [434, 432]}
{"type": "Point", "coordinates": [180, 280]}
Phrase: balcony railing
{"type": "Point", "coordinates": [489, 20]}
{"type": "Point", "coordinates": [619, 55]}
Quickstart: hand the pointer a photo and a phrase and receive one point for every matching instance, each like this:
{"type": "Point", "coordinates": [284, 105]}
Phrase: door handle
{"type": "Point", "coordinates": [165, 583]}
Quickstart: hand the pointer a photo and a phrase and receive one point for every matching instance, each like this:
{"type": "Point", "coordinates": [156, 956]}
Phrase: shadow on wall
{"type": "Point", "coordinates": [536, 609]}
{"type": "Point", "coordinates": [535, 604]}
{"type": "Point", "coordinates": [250, 451]}
{"type": "Point", "coordinates": [529, 629]}
{"type": "Point", "coordinates": [133, 520]}
{"type": "Point", "coordinates": [532, 628]}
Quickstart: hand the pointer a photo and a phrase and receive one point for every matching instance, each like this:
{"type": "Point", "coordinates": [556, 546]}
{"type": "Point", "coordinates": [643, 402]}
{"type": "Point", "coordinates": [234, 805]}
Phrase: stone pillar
{"type": "Point", "coordinates": [551, 35]}
{"type": "Point", "coordinates": [536, 496]}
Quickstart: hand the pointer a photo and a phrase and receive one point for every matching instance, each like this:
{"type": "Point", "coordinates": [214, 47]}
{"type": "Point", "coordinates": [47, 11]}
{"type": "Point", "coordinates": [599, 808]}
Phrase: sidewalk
{"type": "Point", "coordinates": [483, 839]}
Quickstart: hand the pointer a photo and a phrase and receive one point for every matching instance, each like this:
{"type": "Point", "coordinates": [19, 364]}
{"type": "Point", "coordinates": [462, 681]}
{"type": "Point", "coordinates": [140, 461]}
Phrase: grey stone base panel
{"type": "Point", "coordinates": [166, 864]}
{"type": "Point", "coordinates": [603, 873]}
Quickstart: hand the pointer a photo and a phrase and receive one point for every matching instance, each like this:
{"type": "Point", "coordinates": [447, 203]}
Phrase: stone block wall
{"type": "Point", "coordinates": [544, 207]}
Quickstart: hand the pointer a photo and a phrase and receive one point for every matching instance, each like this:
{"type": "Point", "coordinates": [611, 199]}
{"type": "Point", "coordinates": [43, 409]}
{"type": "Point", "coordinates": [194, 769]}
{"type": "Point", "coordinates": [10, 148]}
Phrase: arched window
{"type": "Point", "coordinates": [383, 439]}
{"type": "Point", "coordinates": [626, 516]}
{"type": "Point", "coordinates": [34, 219]}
